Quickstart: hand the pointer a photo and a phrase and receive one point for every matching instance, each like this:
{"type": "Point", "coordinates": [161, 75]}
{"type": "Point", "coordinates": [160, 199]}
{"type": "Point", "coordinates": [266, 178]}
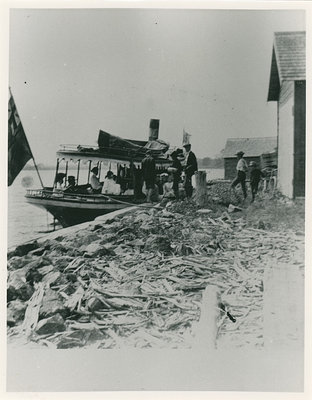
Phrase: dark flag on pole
{"type": "Point", "coordinates": [19, 151]}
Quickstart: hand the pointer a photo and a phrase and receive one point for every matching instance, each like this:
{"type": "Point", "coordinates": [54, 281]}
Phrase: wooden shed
{"type": "Point", "coordinates": [288, 88]}
{"type": "Point", "coordinates": [253, 149]}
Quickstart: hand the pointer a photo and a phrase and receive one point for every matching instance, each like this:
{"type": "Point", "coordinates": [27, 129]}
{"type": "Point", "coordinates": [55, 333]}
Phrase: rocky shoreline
{"type": "Point", "coordinates": [135, 278]}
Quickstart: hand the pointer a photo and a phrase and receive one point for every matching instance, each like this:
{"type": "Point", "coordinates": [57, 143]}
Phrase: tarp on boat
{"type": "Point", "coordinates": [113, 149]}
{"type": "Point", "coordinates": [116, 144]}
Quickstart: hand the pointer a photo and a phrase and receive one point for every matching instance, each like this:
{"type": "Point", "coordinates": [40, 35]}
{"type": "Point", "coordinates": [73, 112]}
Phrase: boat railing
{"type": "Point", "coordinates": [109, 151]}
{"type": "Point", "coordinates": [75, 147]}
{"type": "Point", "coordinates": [50, 194]}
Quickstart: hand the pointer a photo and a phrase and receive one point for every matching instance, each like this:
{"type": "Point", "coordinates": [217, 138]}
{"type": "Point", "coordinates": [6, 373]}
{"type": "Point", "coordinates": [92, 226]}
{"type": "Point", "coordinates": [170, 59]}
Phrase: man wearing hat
{"type": "Point", "coordinates": [149, 174]}
{"type": "Point", "coordinates": [190, 168]}
{"type": "Point", "coordinates": [241, 169]}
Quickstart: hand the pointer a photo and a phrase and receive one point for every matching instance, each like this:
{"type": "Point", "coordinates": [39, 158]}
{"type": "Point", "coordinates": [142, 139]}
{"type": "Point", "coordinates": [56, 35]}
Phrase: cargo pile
{"type": "Point", "coordinates": [137, 280]}
{"type": "Point", "coordinates": [220, 192]}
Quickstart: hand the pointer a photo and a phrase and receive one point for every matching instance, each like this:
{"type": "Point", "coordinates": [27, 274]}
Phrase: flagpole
{"type": "Point", "coordinates": [32, 156]}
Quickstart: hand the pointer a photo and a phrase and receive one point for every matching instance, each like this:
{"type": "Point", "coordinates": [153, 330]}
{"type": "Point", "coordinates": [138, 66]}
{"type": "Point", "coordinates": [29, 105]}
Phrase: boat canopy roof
{"type": "Point", "coordinates": [113, 149]}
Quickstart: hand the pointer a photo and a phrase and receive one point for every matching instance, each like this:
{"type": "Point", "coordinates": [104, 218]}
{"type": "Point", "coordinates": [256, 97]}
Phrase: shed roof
{"type": "Point", "coordinates": [252, 147]}
{"type": "Point", "coordinates": [288, 60]}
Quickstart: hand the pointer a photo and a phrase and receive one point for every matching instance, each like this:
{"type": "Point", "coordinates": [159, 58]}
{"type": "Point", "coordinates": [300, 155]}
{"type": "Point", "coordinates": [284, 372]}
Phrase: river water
{"type": "Point", "coordinates": [25, 221]}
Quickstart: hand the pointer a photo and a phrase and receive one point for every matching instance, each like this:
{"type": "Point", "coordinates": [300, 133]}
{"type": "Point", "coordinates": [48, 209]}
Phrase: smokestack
{"type": "Point", "coordinates": [153, 131]}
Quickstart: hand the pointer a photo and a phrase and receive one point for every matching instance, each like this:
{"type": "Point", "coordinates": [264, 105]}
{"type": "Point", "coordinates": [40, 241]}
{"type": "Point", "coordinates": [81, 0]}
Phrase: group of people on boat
{"type": "Point", "coordinates": [176, 182]}
{"type": "Point", "coordinates": [108, 186]}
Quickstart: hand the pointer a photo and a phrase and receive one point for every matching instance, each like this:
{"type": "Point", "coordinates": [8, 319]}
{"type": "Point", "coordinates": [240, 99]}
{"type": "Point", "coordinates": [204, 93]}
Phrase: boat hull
{"type": "Point", "coordinates": [73, 210]}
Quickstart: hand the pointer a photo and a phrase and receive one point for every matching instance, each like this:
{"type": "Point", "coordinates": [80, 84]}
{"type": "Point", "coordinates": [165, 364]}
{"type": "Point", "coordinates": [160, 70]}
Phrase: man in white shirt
{"type": "Point", "coordinates": [241, 169]}
{"type": "Point", "coordinates": [94, 181]}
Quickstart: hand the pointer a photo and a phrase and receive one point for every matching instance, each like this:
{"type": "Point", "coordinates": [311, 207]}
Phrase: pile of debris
{"type": "Point", "coordinates": [219, 191]}
{"type": "Point", "coordinates": [137, 280]}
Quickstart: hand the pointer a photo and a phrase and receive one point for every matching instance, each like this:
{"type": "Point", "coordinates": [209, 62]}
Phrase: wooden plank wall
{"type": "Point", "coordinates": [286, 139]}
{"type": "Point", "coordinates": [299, 138]}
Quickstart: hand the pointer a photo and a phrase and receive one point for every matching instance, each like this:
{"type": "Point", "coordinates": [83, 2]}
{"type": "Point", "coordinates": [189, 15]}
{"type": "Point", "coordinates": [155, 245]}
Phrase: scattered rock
{"type": "Point", "coordinates": [53, 278]}
{"type": "Point", "coordinates": [121, 250]}
{"type": "Point", "coordinates": [142, 217]}
{"type": "Point", "coordinates": [136, 243]}
{"type": "Point", "coordinates": [33, 275]}
{"type": "Point", "coordinates": [148, 227]}
{"type": "Point", "coordinates": [93, 248]}
{"type": "Point", "coordinates": [24, 249]}
{"type": "Point", "coordinates": [15, 312]}
{"type": "Point", "coordinates": [107, 237]}
{"type": "Point", "coordinates": [153, 252]}
{"type": "Point", "coordinates": [37, 252]}
{"type": "Point", "coordinates": [109, 247]}
{"type": "Point", "coordinates": [18, 286]}
{"type": "Point", "coordinates": [97, 250]}
{"type": "Point", "coordinates": [80, 337]}
{"type": "Point", "coordinates": [156, 243]}
{"type": "Point", "coordinates": [24, 292]}
{"type": "Point", "coordinates": [62, 262]}
{"type": "Point", "coordinates": [85, 239]}
{"type": "Point", "coordinates": [225, 216]}
{"type": "Point", "coordinates": [59, 238]}
{"type": "Point", "coordinates": [199, 237]}
{"type": "Point", "coordinates": [51, 325]}
{"type": "Point", "coordinates": [52, 244]}
{"type": "Point", "coordinates": [204, 211]}
{"type": "Point", "coordinates": [94, 304]}
{"type": "Point", "coordinates": [167, 214]}
{"type": "Point", "coordinates": [38, 262]}
{"type": "Point", "coordinates": [95, 227]}
{"type": "Point", "coordinates": [261, 224]}
{"type": "Point", "coordinates": [182, 249]}
{"type": "Point", "coordinates": [51, 304]}
{"type": "Point", "coordinates": [233, 208]}
{"type": "Point", "coordinates": [69, 343]}
{"type": "Point", "coordinates": [17, 262]}
{"type": "Point", "coordinates": [46, 269]}
{"type": "Point", "coordinates": [71, 277]}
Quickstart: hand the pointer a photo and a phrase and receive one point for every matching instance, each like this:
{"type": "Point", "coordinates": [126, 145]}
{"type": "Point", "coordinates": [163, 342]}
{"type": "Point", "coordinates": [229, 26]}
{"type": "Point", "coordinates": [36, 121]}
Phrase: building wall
{"type": "Point", "coordinates": [299, 138]}
{"type": "Point", "coordinates": [286, 139]}
{"type": "Point", "coordinates": [230, 166]}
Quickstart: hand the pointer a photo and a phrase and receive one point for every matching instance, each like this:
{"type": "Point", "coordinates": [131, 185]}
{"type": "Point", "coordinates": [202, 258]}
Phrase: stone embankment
{"type": "Point", "coordinates": [136, 278]}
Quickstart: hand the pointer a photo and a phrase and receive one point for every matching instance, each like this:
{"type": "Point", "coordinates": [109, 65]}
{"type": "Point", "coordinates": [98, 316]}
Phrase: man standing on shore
{"type": "Point", "coordinates": [149, 174]}
{"type": "Point", "coordinates": [255, 178]}
{"type": "Point", "coordinates": [190, 168]}
{"type": "Point", "coordinates": [241, 169]}
{"type": "Point", "coordinates": [176, 170]}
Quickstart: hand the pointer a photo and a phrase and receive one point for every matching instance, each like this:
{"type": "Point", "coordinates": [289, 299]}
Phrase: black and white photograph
{"type": "Point", "coordinates": [156, 185]}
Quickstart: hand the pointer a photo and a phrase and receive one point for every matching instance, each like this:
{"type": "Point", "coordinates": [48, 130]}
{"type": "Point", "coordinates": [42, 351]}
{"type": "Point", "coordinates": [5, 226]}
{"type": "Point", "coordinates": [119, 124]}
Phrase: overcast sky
{"type": "Point", "coordinates": [73, 72]}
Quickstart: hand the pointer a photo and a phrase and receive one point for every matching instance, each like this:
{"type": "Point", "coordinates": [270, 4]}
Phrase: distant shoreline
{"type": "Point", "coordinates": [200, 166]}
